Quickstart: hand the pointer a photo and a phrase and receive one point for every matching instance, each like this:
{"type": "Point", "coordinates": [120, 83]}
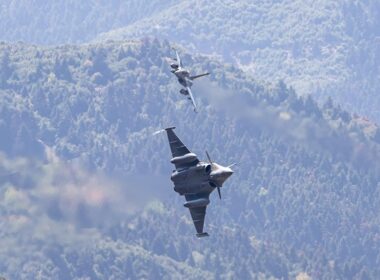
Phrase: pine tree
{"type": "Point", "coordinates": [5, 69]}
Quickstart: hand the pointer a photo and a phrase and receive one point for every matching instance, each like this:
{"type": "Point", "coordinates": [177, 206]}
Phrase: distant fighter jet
{"type": "Point", "coordinates": [184, 78]}
{"type": "Point", "coordinates": [195, 179]}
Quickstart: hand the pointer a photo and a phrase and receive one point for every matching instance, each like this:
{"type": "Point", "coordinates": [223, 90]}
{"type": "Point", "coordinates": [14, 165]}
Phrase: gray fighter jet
{"type": "Point", "coordinates": [195, 179]}
{"type": "Point", "coordinates": [184, 78]}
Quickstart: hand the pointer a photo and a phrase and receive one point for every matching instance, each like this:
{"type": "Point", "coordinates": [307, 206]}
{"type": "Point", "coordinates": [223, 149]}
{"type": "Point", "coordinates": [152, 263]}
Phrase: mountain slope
{"type": "Point", "coordinates": [320, 47]}
{"type": "Point", "coordinates": [63, 21]}
{"type": "Point", "coordinates": [304, 199]}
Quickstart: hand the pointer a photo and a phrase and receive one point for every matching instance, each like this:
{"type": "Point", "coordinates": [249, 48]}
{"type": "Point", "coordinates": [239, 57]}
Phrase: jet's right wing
{"type": "Point", "coordinates": [192, 99]}
{"type": "Point", "coordinates": [198, 214]}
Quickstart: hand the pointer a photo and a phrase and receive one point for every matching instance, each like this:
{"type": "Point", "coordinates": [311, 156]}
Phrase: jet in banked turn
{"type": "Point", "coordinates": [184, 78]}
{"type": "Point", "coordinates": [195, 179]}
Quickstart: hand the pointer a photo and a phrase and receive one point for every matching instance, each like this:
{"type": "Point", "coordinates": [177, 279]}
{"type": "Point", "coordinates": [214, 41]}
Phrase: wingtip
{"type": "Point", "coordinates": [163, 130]}
{"type": "Point", "coordinates": [202, 234]}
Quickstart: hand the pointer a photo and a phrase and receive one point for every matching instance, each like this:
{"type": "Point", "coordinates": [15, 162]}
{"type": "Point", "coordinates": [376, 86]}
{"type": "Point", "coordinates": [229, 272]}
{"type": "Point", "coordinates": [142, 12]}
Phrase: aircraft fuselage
{"type": "Point", "coordinates": [192, 180]}
{"type": "Point", "coordinates": [183, 77]}
{"type": "Point", "coordinates": [202, 178]}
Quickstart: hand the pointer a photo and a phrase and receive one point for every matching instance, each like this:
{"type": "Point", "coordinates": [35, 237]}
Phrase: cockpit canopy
{"type": "Point", "coordinates": [208, 169]}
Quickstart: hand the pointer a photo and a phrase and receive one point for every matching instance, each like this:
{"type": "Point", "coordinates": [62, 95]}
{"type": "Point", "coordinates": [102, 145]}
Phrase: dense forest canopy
{"type": "Point", "coordinates": [76, 126]}
{"type": "Point", "coordinates": [319, 47]}
{"type": "Point", "coordinates": [324, 48]}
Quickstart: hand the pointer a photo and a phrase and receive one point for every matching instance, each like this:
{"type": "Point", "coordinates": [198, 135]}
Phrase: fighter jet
{"type": "Point", "coordinates": [195, 179]}
{"type": "Point", "coordinates": [184, 78]}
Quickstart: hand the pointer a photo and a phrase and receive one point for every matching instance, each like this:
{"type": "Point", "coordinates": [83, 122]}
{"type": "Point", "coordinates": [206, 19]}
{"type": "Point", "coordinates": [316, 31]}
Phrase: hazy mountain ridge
{"type": "Point", "coordinates": [59, 22]}
{"type": "Point", "coordinates": [318, 47]}
{"type": "Point", "coordinates": [297, 202]}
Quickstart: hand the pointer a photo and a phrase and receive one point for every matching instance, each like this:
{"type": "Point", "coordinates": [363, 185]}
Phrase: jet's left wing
{"type": "Point", "coordinates": [192, 99]}
{"type": "Point", "coordinates": [198, 213]}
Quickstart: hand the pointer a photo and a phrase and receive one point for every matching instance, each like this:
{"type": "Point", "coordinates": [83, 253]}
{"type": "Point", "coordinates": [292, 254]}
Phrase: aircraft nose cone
{"type": "Point", "coordinates": [228, 172]}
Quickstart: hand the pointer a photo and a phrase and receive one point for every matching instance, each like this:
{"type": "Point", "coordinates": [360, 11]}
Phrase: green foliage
{"type": "Point", "coordinates": [318, 47]}
{"type": "Point", "coordinates": [304, 199]}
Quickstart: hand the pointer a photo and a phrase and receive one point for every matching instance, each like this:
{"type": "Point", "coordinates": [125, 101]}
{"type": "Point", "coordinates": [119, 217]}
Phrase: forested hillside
{"type": "Point", "coordinates": [324, 48]}
{"type": "Point", "coordinates": [304, 200]}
